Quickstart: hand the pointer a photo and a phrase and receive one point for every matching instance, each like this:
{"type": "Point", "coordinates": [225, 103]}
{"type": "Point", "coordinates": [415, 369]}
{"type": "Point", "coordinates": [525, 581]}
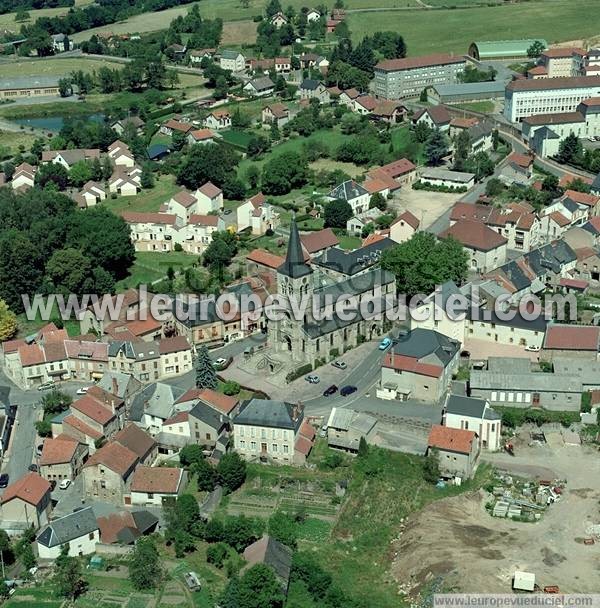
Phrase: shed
{"type": "Point", "coordinates": [523, 581]}
{"type": "Point", "coordinates": [502, 49]}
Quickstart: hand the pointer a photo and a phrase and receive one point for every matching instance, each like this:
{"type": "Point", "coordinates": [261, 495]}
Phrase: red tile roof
{"type": "Point", "coordinates": [467, 211]}
{"type": "Point", "coordinates": [115, 457]}
{"type": "Point", "coordinates": [582, 197]}
{"type": "Point", "coordinates": [58, 451]}
{"type": "Point", "coordinates": [463, 123]}
{"type": "Point", "coordinates": [574, 283]}
{"type": "Point", "coordinates": [411, 63]}
{"type": "Point", "coordinates": [303, 445]}
{"type": "Point", "coordinates": [560, 118]}
{"type": "Point", "coordinates": [210, 190]}
{"type": "Point", "coordinates": [111, 525]}
{"type": "Point", "coordinates": [156, 480]}
{"type": "Point", "coordinates": [204, 220]}
{"type": "Point", "coordinates": [567, 178]}
{"type": "Point", "coordinates": [398, 168]}
{"type": "Point", "coordinates": [375, 185]}
{"type": "Point", "coordinates": [177, 125]}
{"type": "Point", "coordinates": [201, 134]}
{"type": "Point", "coordinates": [314, 242]}
{"type": "Point", "coordinates": [410, 364]}
{"type": "Point", "coordinates": [538, 70]}
{"type": "Point", "coordinates": [173, 345]}
{"type": "Point", "coordinates": [178, 418]}
{"type": "Point", "coordinates": [556, 53]}
{"type": "Point", "coordinates": [373, 238]}
{"type": "Point", "coordinates": [185, 198]}
{"type": "Point", "coordinates": [572, 337]}
{"type": "Point", "coordinates": [31, 354]}
{"type": "Point", "coordinates": [92, 409]}
{"type": "Point", "coordinates": [265, 258]}
{"type": "Point", "coordinates": [559, 218]}
{"type": "Point", "coordinates": [12, 346]}
{"type": "Point", "coordinates": [222, 403]}
{"type": "Point", "coordinates": [31, 489]}
{"type": "Point", "coordinates": [474, 235]}
{"type": "Point", "coordinates": [307, 430]}
{"type": "Point", "coordinates": [450, 440]}
{"type": "Point", "coordinates": [523, 160]}
{"type": "Point", "coordinates": [408, 218]}
{"type": "Point", "coordinates": [82, 427]}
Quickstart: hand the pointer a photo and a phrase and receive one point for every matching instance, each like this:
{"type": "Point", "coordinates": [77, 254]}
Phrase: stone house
{"type": "Point", "coordinates": [62, 458]}
{"type": "Point", "coordinates": [25, 503]}
{"type": "Point", "coordinates": [457, 451]}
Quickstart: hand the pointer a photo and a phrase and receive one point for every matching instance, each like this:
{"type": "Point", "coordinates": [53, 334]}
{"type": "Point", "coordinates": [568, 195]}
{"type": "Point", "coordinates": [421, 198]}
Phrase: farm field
{"type": "Point", "coordinates": [11, 140]}
{"type": "Point", "coordinates": [453, 30]}
{"type": "Point", "coordinates": [52, 67]}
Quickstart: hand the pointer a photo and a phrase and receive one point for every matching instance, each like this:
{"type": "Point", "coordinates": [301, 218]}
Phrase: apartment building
{"type": "Point", "coordinates": [524, 98]}
{"type": "Point", "coordinates": [400, 78]}
{"type": "Point", "coordinates": [562, 62]}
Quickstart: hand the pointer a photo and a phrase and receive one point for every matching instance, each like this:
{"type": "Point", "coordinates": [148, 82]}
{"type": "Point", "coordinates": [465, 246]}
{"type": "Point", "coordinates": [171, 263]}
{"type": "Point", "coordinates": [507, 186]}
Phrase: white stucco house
{"type": "Point", "coordinates": [78, 530]}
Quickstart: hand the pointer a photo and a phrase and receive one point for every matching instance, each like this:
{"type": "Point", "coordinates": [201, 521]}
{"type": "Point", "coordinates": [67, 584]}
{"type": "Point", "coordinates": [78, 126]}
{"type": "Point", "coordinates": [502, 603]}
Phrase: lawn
{"type": "Point", "coordinates": [54, 66]}
{"type": "Point", "coordinates": [150, 266]}
{"type": "Point", "coordinates": [486, 107]}
{"type": "Point", "coordinates": [11, 140]}
{"type": "Point", "coordinates": [147, 201]}
{"type": "Point", "coordinates": [27, 327]}
{"type": "Point", "coordinates": [405, 146]}
{"type": "Point", "coordinates": [237, 139]}
{"type": "Point", "coordinates": [7, 20]}
{"type": "Point", "coordinates": [453, 30]}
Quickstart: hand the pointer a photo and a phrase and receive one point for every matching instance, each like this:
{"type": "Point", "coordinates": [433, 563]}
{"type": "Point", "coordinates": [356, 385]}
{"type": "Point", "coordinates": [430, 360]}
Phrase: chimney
{"type": "Point", "coordinates": [295, 413]}
{"type": "Point", "coordinates": [115, 386]}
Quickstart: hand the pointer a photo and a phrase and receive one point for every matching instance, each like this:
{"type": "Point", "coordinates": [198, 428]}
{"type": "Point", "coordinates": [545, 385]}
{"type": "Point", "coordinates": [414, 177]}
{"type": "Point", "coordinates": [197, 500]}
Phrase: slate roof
{"type": "Point", "coordinates": [68, 528]}
{"type": "Point", "coordinates": [470, 406]}
{"type": "Point", "coordinates": [274, 554]}
{"type": "Point", "coordinates": [157, 399]}
{"type": "Point", "coordinates": [353, 262]}
{"type": "Point", "coordinates": [347, 191]}
{"type": "Point", "coordinates": [269, 413]}
{"type": "Point", "coordinates": [262, 84]}
{"type": "Point", "coordinates": [310, 84]}
{"type": "Point", "coordinates": [421, 343]}
{"type": "Point", "coordinates": [208, 415]}
{"type": "Point", "coordinates": [294, 265]}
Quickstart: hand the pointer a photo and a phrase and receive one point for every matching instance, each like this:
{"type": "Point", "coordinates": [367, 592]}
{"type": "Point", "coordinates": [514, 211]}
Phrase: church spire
{"type": "Point", "coordinates": [294, 265]}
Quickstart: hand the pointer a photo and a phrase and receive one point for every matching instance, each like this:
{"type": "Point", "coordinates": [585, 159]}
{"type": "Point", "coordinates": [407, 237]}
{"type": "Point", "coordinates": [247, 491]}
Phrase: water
{"type": "Point", "coordinates": [53, 123]}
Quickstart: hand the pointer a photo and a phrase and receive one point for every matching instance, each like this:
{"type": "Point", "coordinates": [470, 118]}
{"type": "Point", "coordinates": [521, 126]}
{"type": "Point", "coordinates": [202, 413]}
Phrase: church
{"type": "Point", "coordinates": [324, 330]}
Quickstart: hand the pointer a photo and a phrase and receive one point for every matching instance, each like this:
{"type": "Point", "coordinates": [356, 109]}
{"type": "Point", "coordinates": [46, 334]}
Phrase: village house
{"type": "Point", "coordinates": [153, 485]}
{"type": "Point", "coordinates": [388, 111]}
{"type": "Point", "coordinates": [269, 431]}
{"type": "Point", "coordinates": [61, 43]}
{"type": "Point", "coordinates": [23, 176]}
{"type": "Point", "coordinates": [200, 136]}
{"type": "Point", "coordinates": [78, 531]}
{"type": "Point", "coordinates": [353, 193]}
{"type": "Point", "coordinates": [151, 231]}
{"type": "Point", "coordinates": [172, 126]}
{"type": "Point", "coordinates": [264, 263]}
{"type": "Point", "coordinates": [518, 168]}
{"type": "Point", "coordinates": [93, 193]}
{"type": "Point", "coordinates": [120, 154]}
{"type": "Point", "coordinates": [209, 199]}
{"type": "Point", "coordinates": [485, 247]}
{"type": "Point", "coordinates": [258, 215]}
{"type": "Point", "coordinates": [25, 503]}
{"type": "Point", "coordinates": [403, 227]}
{"type": "Point", "coordinates": [125, 181]}
{"type": "Point", "coordinates": [68, 158]}
{"type": "Point", "coordinates": [62, 458]}
{"type": "Point", "coordinates": [435, 117]}
{"type": "Point", "coordinates": [218, 119]}
{"type": "Point", "coordinates": [107, 472]}
{"type": "Point", "coordinates": [345, 429]}
{"type": "Point", "coordinates": [313, 15]}
{"type": "Point", "coordinates": [315, 243]}
{"type": "Point", "coordinates": [125, 527]}
{"type": "Point", "coordinates": [155, 404]}
{"type": "Point", "coordinates": [419, 366]}
{"type": "Point", "coordinates": [259, 87]}
{"type": "Point", "coordinates": [391, 177]}
{"type": "Point", "coordinates": [314, 89]}
{"type": "Point", "coordinates": [135, 122]}
{"type": "Point", "coordinates": [475, 415]}
{"type": "Point", "coordinates": [283, 65]}
{"type": "Point", "coordinates": [457, 451]}
{"type": "Point", "coordinates": [233, 61]}
{"type": "Point", "coordinates": [198, 55]}
{"type": "Point", "coordinates": [347, 98]}
{"type": "Point", "coordinates": [276, 114]}
{"type": "Point", "coordinates": [279, 20]}
{"type": "Point", "coordinates": [519, 224]}
{"type": "Point", "coordinates": [139, 442]}
{"type": "Point", "coordinates": [571, 341]}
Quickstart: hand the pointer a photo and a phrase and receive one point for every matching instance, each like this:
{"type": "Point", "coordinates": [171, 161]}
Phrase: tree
{"type": "Point", "coordinates": [80, 173]}
{"type": "Point", "coordinates": [378, 202]}
{"type": "Point", "coordinates": [28, 557]}
{"type": "Point", "coordinates": [272, 8]}
{"type": "Point", "coordinates": [494, 187]}
{"type": "Point", "coordinates": [363, 448]}
{"type": "Point", "coordinates": [44, 428]}
{"type": "Point", "coordinates": [337, 213]}
{"type": "Point", "coordinates": [536, 49]}
{"type": "Point", "coordinates": [68, 270]}
{"type": "Point", "coordinates": [56, 402]}
{"type": "Point", "coordinates": [52, 173]}
{"type": "Point", "coordinates": [216, 554]}
{"type": "Point", "coordinates": [211, 162]}
{"type": "Point", "coordinates": [495, 140]}
{"type": "Point", "coordinates": [258, 588]}
{"type": "Point", "coordinates": [284, 172]}
{"type": "Point", "coordinates": [206, 475]}
{"type": "Point", "coordinates": [64, 87]}
{"type": "Point", "coordinates": [462, 150]}
{"type": "Point", "coordinates": [6, 548]}
{"type": "Point", "coordinates": [424, 96]}
{"type": "Point", "coordinates": [436, 147]}
{"type": "Point", "coordinates": [570, 150]}
{"type": "Point", "coordinates": [305, 569]}
{"type": "Point", "coordinates": [480, 164]}
{"type": "Point", "coordinates": [422, 262]}
{"type": "Point", "coordinates": [206, 376]}
{"type": "Point", "coordinates": [253, 176]}
{"type": "Point", "coordinates": [283, 528]}
{"type": "Point", "coordinates": [190, 455]}
{"type": "Point", "coordinates": [8, 322]}
{"type": "Point", "coordinates": [145, 571]}
{"type": "Point", "coordinates": [231, 388]}
{"type": "Point", "coordinates": [232, 471]}
{"type": "Point", "coordinates": [431, 467]}
{"type": "Point", "coordinates": [68, 578]}
{"type": "Point", "coordinates": [147, 178]}
{"type": "Point", "coordinates": [422, 131]}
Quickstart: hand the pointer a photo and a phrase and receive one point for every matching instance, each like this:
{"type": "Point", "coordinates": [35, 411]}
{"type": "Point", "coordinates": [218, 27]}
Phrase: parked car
{"type": "Point", "coordinates": [64, 484]}
{"type": "Point", "coordinates": [221, 363]}
{"type": "Point", "coordinates": [38, 449]}
{"type": "Point", "coordinates": [46, 386]}
{"type": "Point", "coordinates": [4, 480]}
{"type": "Point", "coordinates": [330, 391]}
{"type": "Point", "coordinates": [385, 343]}
{"type": "Point", "coordinates": [33, 467]}
{"type": "Point", "coordinates": [52, 485]}
{"type": "Point", "coordinates": [347, 390]}
{"type": "Point", "coordinates": [83, 390]}
{"type": "Point", "coordinates": [339, 364]}
{"type": "Point", "coordinates": [532, 348]}
{"type": "Point", "coordinates": [312, 379]}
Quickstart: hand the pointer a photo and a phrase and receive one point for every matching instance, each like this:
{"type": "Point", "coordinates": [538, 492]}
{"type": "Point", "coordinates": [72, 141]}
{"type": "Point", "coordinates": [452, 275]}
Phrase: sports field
{"type": "Point", "coordinates": [429, 31]}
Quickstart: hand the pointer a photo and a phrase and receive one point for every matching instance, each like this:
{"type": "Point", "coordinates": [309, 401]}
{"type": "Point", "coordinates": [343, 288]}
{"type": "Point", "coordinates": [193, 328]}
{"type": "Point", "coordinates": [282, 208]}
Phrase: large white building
{"type": "Point", "coordinates": [400, 78]}
{"type": "Point", "coordinates": [524, 98]}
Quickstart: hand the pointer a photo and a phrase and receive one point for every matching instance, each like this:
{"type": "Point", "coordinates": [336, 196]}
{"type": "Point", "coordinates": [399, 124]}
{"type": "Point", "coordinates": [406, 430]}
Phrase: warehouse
{"type": "Point", "coordinates": [33, 86]}
{"type": "Point", "coordinates": [466, 92]}
{"type": "Point", "coordinates": [502, 49]}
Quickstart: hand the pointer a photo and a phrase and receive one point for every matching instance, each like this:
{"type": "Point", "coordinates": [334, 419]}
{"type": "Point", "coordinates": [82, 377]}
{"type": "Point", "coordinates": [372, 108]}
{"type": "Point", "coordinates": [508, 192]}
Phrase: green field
{"type": "Point", "coordinates": [146, 201]}
{"type": "Point", "coordinates": [238, 139]}
{"type": "Point", "coordinates": [486, 107]}
{"type": "Point", "coordinates": [453, 30]}
{"type": "Point", "coordinates": [11, 140]}
{"type": "Point", "coordinates": [152, 266]}
{"type": "Point", "coordinates": [7, 20]}
{"type": "Point", "coordinates": [52, 66]}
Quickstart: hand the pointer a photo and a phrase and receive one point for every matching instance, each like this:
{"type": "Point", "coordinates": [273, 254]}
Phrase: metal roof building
{"type": "Point", "coordinates": [468, 91]}
{"type": "Point", "coordinates": [502, 49]}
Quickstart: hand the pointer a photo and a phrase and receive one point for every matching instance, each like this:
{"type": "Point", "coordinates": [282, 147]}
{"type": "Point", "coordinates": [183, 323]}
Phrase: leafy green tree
{"type": "Point", "coordinates": [216, 554]}
{"type": "Point", "coordinates": [436, 147]}
{"type": "Point", "coordinates": [28, 557]}
{"type": "Point", "coordinates": [68, 270]}
{"type": "Point", "coordinates": [423, 97]}
{"type": "Point", "coordinates": [52, 173]}
{"type": "Point", "coordinates": [241, 531]}
{"type": "Point", "coordinates": [231, 388]}
{"type": "Point", "coordinates": [337, 213]}
{"type": "Point", "coordinates": [431, 467]}
{"type": "Point", "coordinates": [422, 132]}
{"type": "Point", "coordinates": [284, 173]}
{"type": "Point", "coordinates": [378, 201]}
{"type": "Point", "coordinates": [6, 548]}
{"type": "Point", "coordinates": [422, 262]}
{"type": "Point", "coordinates": [570, 150]}
{"type": "Point", "coordinates": [43, 428]}
{"type": "Point", "coordinates": [480, 164]}
{"type": "Point", "coordinates": [8, 322]}
{"type": "Point", "coordinates": [305, 569]}
{"type": "Point", "coordinates": [462, 150]}
{"type": "Point", "coordinates": [206, 475]}
{"type": "Point", "coordinates": [56, 402]}
{"type": "Point", "coordinates": [253, 176]}
{"type": "Point", "coordinates": [232, 471]}
{"type": "Point", "coordinates": [211, 162]}
{"type": "Point", "coordinates": [68, 579]}
{"type": "Point", "coordinates": [536, 49]}
{"type": "Point", "coordinates": [363, 448]}
{"type": "Point", "coordinates": [190, 455]}
{"type": "Point", "coordinates": [283, 528]}
{"type": "Point", "coordinates": [80, 173]}
{"type": "Point", "coordinates": [494, 187]}
{"type": "Point", "coordinates": [206, 376]}
{"type": "Point", "coordinates": [145, 570]}
{"type": "Point", "coordinates": [259, 588]}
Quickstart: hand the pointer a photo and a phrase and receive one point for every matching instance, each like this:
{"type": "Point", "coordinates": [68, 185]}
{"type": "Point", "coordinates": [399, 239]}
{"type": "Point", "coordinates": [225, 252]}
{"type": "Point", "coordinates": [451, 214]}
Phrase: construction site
{"type": "Point", "coordinates": [541, 515]}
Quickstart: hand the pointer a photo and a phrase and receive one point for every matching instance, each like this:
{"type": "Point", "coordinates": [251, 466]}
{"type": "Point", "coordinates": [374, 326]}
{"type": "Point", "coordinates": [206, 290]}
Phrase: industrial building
{"type": "Point", "coordinates": [466, 92]}
{"type": "Point", "coordinates": [33, 86]}
{"type": "Point", "coordinates": [502, 49]}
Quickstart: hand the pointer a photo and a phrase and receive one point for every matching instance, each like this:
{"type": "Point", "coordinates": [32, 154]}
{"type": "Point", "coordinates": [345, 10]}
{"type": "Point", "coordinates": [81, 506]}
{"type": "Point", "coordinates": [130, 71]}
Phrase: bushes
{"type": "Point", "coordinates": [513, 417]}
{"type": "Point", "coordinates": [231, 388]}
{"type": "Point", "coordinates": [419, 185]}
{"type": "Point", "coordinates": [217, 554]}
{"type": "Point", "coordinates": [298, 373]}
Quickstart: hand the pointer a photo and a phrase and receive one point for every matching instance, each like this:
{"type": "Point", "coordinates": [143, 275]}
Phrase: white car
{"type": "Point", "coordinates": [220, 361]}
{"type": "Point", "coordinates": [340, 364]}
{"type": "Point", "coordinates": [532, 349]}
{"type": "Point", "coordinates": [64, 484]}
{"type": "Point", "coordinates": [312, 379]}
{"type": "Point", "coordinates": [83, 390]}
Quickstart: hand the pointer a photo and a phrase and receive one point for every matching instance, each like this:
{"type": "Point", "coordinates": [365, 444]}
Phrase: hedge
{"type": "Point", "coordinates": [298, 373]}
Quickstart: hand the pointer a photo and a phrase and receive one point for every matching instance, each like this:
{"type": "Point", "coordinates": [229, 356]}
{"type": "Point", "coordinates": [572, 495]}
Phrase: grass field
{"type": "Point", "coordinates": [7, 20]}
{"type": "Point", "coordinates": [52, 66]}
{"type": "Point", "coordinates": [487, 107]}
{"type": "Point", "coordinates": [453, 30]}
{"type": "Point", "coordinates": [147, 200]}
{"type": "Point", "coordinates": [152, 266]}
{"type": "Point", "coordinates": [11, 140]}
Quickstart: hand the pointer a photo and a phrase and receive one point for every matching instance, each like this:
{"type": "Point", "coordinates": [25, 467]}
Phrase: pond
{"type": "Point", "coordinates": [53, 123]}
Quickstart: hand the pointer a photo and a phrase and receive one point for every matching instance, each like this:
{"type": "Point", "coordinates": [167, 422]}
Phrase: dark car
{"type": "Point", "coordinates": [33, 467]}
{"type": "Point", "coordinates": [52, 485]}
{"type": "Point", "coordinates": [347, 390]}
{"type": "Point", "coordinates": [330, 391]}
{"type": "Point", "coordinates": [3, 480]}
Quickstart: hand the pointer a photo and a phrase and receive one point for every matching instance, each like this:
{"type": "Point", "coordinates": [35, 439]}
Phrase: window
{"type": "Point", "coordinates": [242, 443]}
{"type": "Point", "coordinates": [285, 449]}
{"type": "Point", "coordinates": [150, 495]}
{"type": "Point", "coordinates": [274, 448]}
{"type": "Point", "coordinates": [91, 536]}
{"type": "Point", "coordinates": [253, 445]}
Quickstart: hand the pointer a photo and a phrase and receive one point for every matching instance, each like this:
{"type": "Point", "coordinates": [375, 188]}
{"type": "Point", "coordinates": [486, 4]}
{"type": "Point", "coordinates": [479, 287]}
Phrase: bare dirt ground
{"type": "Point", "coordinates": [426, 206]}
{"type": "Point", "coordinates": [457, 540]}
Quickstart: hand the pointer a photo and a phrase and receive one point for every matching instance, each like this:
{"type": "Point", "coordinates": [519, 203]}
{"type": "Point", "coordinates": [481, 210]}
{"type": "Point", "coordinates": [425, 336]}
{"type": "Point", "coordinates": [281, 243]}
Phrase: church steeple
{"type": "Point", "coordinates": [294, 265]}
